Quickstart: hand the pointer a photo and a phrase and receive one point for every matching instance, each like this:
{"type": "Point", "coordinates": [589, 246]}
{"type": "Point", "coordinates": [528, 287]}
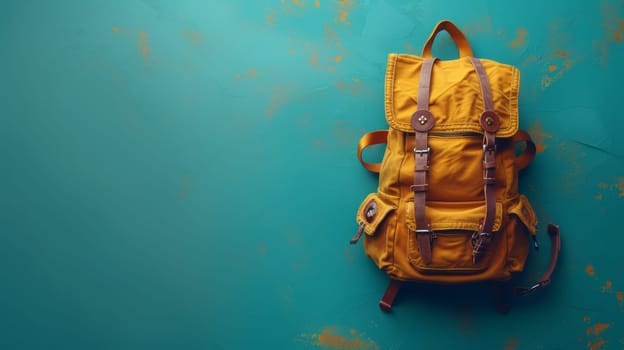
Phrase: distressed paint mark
{"type": "Point", "coordinates": [343, 133]}
{"type": "Point", "coordinates": [185, 185]}
{"type": "Point", "coordinates": [617, 36]}
{"type": "Point", "coordinates": [314, 60]}
{"type": "Point", "coordinates": [566, 64]}
{"type": "Point", "coordinates": [482, 25]}
{"type": "Point", "coordinates": [331, 37]}
{"type": "Point", "coordinates": [354, 88]}
{"type": "Point", "coordinates": [292, 51]}
{"type": "Point", "coordinates": [613, 28]}
{"type": "Point", "coordinates": [298, 3]}
{"type": "Point", "coordinates": [262, 249]}
{"type": "Point", "coordinates": [511, 344]}
{"type": "Point", "coordinates": [589, 269]}
{"type": "Point", "coordinates": [331, 69]}
{"type": "Point", "coordinates": [144, 47]}
{"type": "Point", "coordinates": [271, 18]}
{"type": "Point", "coordinates": [570, 153]}
{"type": "Point", "coordinates": [193, 36]}
{"type": "Point", "coordinates": [337, 58]}
{"type": "Point", "coordinates": [330, 337]}
{"type": "Point", "coordinates": [558, 43]}
{"type": "Point", "coordinates": [607, 287]}
{"type": "Point", "coordinates": [317, 4]}
{"type": "Point", "coordinates": [520, 39]}
{"type": "Point", "coordinates": [118, 31]}
{"type": "Point", "coordinates": [410, 49]}
{"type": "Point", "coordinates": [344, 11]}
{"type": "Point", "coordinates": [619, 296]}
{"type": "Point", "coordinates": [280, 96]}
{"type": "Point", "coordinates": [249, 74]}
{"type": "Point", "coordinates": [616, 186]}
{"type": "Point", "coordinates": [598, 197]}
{"type": "Point", "coordinates": [348, 255]}
{"type": "Point", "coordinates": [600, 327]}
{"type": "Point", "coordinates": [319, 144]}
{"type": "Point", "coordinates": [530, 59]}
{"type": "Point", "coordinates": [539, 136]}
{"type": "Point", "coordinates": [597, 345]}
{"type": "Point", "coordinates": [586, 319]}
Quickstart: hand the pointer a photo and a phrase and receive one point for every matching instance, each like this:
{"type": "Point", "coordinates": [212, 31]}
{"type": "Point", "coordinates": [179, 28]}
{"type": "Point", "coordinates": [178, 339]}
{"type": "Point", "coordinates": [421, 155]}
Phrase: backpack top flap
{"type": "Point", "coordinates": [455, 94]}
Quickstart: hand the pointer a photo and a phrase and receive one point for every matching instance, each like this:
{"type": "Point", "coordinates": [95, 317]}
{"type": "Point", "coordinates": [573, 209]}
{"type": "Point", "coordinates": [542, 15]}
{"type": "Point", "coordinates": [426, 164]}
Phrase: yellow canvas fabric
{"type": "Point", "coordinates": [455, 199]}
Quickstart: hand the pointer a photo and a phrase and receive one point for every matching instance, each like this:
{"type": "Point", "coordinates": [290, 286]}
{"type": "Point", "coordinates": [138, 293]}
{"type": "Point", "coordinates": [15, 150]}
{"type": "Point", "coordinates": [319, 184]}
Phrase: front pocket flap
{"type": "Point", "coordinates": [454, 215]}
{"type": "Point", "coordinates": [524, 211]}
{"type": "Point", "coordinates": [372, 211]}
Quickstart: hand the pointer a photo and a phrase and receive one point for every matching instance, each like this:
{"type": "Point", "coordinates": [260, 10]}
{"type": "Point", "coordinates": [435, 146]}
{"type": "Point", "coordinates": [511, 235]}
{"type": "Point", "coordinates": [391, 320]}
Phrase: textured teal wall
{"type": "Point", "coordinates": [182, 174]}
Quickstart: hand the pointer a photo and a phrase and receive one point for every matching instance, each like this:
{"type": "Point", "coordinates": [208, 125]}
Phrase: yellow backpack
{"type": "Point", "coordinates": [447, 209]}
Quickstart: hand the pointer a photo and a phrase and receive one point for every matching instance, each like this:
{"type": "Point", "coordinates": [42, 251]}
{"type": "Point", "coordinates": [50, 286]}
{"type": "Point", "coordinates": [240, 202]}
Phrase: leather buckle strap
{"type": "Point", "coordinates": [422, 121]}
{"type": "Point", "coordinates": [490, 123]}
{"type": "Point", "coordinates": [555, 240]}
{"type": "Point", "coordinates": [388, 298]}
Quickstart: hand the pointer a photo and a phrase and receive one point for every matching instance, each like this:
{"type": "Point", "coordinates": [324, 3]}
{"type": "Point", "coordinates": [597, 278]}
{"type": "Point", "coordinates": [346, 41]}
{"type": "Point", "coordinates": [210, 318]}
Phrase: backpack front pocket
{"type": "Point", "coordinates": [372, 211]}
{"type": "Point", "coordinates": [453, 225]}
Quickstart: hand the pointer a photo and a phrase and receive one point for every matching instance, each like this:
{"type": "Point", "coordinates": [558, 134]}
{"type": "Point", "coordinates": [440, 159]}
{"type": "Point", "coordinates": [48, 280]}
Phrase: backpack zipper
{"type": "Point", "coordinates": [458, 133]}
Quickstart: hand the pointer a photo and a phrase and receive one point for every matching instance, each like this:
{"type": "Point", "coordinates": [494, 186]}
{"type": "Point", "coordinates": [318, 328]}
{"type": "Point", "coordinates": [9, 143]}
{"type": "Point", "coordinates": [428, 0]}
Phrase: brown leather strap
{"type": "Point", "coordinates": [422, 121]}
{"type": "Point", "coordinates": [526, 157]}
{"type": "Point", "coordinates": [555, 247]}
{"type": "Point", "coordinates": [388, 298]}
{"type": "Point", "coordinates": [490, 124]}
{"type": "Point", "coordinates": [486, 91]}
{"type": "Point", "coordinates": [369, 139]}
{"type": "Point", "coordinates": [458, 37]}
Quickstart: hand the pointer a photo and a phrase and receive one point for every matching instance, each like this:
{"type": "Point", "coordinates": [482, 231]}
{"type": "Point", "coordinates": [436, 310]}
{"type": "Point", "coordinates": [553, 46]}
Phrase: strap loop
{"type": "Point", "coordinates": [555, 241]}
{"type": "Point", "coordinates": [524, 159]}
{"type": "Point", "coordinates": [369, 139]}
{"type": "Point", "coordinates": [458, 37]}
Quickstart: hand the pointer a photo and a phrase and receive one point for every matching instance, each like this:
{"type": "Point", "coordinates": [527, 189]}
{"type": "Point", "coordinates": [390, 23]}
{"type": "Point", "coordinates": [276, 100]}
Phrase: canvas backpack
{"type": "Point", "coordinates": [447, 209]}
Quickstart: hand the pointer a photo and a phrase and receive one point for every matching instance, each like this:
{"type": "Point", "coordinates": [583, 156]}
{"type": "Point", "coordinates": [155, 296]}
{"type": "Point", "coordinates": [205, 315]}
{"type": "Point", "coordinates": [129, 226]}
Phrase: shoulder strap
{"type": "Point", "coordinates": [490, 124]}
{"type": "Point", "coordinates": [422, 121]}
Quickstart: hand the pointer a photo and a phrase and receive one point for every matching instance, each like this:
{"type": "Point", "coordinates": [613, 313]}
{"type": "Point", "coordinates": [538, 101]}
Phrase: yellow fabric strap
{"type": "Point", "coordinates": [369, 139]}
{"type": "Point", "coordinates": [458, 37]}
{"type": "Point", "coordinates": [524, 159]}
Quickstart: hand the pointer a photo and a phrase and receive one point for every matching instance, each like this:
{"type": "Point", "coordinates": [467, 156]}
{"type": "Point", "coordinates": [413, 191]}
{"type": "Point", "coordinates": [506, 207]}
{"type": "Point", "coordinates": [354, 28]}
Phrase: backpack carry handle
{"type": "Point", "coordinates": [458, 37]}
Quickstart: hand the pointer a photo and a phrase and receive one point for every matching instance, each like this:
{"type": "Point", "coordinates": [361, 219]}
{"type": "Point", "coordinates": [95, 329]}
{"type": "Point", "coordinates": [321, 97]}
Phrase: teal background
{"type": "Point", "coordinates": [182, 174]}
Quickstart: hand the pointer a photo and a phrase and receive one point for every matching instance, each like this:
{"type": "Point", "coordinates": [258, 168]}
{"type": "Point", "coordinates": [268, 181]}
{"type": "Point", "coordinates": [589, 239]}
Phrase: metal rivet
{"type": "Point", "coordinates": [489, 120]}
{"type": "Point", "coordinates": [422, 120]}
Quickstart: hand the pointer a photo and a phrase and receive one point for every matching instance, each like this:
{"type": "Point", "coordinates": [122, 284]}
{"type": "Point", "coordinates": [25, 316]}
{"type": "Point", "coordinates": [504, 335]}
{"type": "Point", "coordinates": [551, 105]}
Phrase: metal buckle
{"type": "Point", "coordinates": [487, 148]}
{"type": "Point", "coordinates": [431, 234]}
{"type": "Point", "coordinates": [530, 290]}
{"type": "Point", "coordinates": [420, 152]}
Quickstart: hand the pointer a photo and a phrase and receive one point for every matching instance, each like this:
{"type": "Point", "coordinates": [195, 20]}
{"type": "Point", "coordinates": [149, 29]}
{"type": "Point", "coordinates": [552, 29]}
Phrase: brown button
{"type": "Point", "coordinates": [422, 120]}
{"type": "Point", "coordinates": [490, 121]}
{"type": "Point", "coordinates": [370, 212]}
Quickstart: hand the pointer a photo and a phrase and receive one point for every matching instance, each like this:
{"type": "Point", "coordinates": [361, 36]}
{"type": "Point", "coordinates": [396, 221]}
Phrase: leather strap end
{"type": "Point", "coordinates": [424, 244]}
{"type": "Point", "coordinates": [385, 304]}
